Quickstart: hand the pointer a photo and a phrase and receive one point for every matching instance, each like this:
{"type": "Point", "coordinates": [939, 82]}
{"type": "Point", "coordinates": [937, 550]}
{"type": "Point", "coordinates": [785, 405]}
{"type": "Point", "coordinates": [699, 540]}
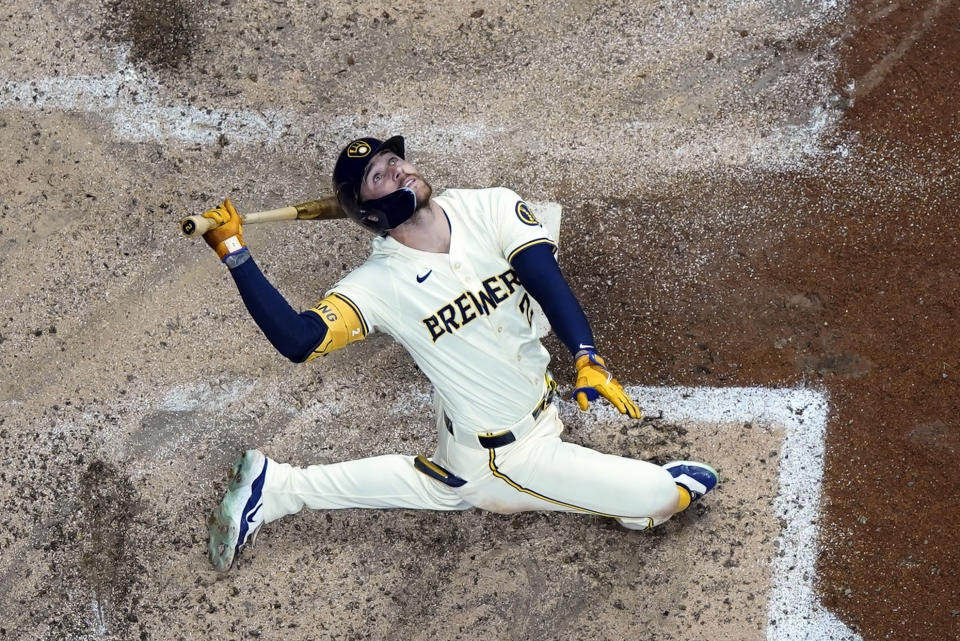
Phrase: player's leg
{"type": "Point", "coordinates": [542, 472]}
{"type": "Point", "coordinates": [388, 481]}
{"type": "Point", "coordinates": [262, 490]}
{"type": "Point", "coordinates": [567, 477]}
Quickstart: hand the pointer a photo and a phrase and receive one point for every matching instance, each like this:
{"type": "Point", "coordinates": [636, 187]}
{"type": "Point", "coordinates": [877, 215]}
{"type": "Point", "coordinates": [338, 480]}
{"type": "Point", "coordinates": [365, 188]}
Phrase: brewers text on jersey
{"type": "Point", "coordinates": [468, 305]}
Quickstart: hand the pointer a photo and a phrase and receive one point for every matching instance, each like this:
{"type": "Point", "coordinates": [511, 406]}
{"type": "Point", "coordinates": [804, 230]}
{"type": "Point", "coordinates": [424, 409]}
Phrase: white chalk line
{"type": "Point", "coordinates": [794, 611]}
{"type": "Point", "coordinates": [139, 110]}
{"type": "Point", "coordinates": [133, 106]}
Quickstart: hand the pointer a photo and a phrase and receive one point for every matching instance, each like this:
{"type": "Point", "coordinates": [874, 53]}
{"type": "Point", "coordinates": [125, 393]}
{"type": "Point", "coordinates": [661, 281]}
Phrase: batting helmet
{"type": "Point", "coordinates": [381, 214]}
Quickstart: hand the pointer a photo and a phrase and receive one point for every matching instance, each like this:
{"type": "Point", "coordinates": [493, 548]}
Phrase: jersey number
{"type": "Point", "coordinates": [527, 308]}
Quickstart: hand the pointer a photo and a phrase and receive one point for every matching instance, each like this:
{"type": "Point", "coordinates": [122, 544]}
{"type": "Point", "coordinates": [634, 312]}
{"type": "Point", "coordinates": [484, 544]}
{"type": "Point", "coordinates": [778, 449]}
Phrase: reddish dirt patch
{"type": "Point", "coordinates": [845, 277]}
{"type": "Point", "coordinates": [892, 474]}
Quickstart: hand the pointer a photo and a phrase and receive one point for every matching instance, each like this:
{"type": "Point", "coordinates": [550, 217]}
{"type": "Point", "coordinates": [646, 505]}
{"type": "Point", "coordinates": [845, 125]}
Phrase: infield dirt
{"type": "Point", "coordinates": [754, 193]}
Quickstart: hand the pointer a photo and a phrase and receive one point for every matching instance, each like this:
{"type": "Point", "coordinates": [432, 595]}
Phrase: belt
{"type": "Point", "coordinates": [492, 440]}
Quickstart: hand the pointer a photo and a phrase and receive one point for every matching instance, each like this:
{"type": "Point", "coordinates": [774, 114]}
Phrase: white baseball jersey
{"type": "Point", "coordinates": [463, 316]}
{"type": "Point", "coordinates": [467, 321]}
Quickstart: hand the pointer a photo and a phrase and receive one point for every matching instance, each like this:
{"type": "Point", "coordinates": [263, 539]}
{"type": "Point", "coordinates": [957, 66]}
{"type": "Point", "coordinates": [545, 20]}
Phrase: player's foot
{"type": "Point", "coordinates": [236, 521]}
{"type": "Point", "coordinates": [693, 480]}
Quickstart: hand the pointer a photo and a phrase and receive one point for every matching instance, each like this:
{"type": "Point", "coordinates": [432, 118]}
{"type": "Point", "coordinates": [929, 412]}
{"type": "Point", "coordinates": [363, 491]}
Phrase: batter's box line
{"type": "Point", "coordinates": [794, 612]}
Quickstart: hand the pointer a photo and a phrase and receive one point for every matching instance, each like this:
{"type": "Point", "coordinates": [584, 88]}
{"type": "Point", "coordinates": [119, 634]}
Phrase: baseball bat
{"type": "Point", "coordinates": [324, 209]}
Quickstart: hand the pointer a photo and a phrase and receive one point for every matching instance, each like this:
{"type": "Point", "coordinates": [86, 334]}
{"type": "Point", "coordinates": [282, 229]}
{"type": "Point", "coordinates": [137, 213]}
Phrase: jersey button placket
{"type": "Point", "coordinates": [465, 274]}
{"type": "Point", "coordinates": [462, 274]}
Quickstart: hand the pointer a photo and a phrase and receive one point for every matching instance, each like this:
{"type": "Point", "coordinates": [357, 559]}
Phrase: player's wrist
{"type": "Point", "coordinates": [230, 246]}
{"type": "Point", "coordinates": [587, 357]}
{"type": "Point", "coordinates": [237, 258]}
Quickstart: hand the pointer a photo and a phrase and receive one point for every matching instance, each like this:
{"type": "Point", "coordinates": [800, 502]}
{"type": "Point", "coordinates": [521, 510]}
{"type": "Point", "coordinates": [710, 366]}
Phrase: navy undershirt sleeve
{"type": "Point", "coordinates": [295, 335]}
{"type": "Point", "coordinates": [540, 275]}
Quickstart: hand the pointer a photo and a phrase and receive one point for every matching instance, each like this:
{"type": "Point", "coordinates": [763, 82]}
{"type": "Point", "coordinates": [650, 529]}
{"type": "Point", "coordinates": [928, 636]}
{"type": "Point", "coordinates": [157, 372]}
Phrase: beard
{"type": "Point", "coordinates": [424, 192]}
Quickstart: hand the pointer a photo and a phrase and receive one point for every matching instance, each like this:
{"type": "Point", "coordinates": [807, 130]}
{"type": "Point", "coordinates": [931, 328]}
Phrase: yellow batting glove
{"type": "Point", "coordinates": [228, 237]}
{"type": "Point", "coordinates": [595, 380]}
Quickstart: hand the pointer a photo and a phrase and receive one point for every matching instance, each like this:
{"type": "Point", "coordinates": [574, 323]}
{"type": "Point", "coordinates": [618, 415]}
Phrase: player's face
{"type": "Point", "coordinates": [388, 172]}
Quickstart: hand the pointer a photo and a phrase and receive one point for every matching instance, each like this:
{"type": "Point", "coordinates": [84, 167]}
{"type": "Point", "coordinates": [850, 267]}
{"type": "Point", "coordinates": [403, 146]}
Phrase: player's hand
{"type": "Point", "coordinates": [595, 380]}
{"type": "Point", "coordinates": [228, 237]}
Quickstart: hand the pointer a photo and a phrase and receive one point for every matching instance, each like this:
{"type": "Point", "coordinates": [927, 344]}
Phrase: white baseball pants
{"type": "Point", "coordinates": [537, 472]}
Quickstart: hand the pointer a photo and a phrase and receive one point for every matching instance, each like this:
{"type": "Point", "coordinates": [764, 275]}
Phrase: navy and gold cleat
{"type": "Point", "coordinates": [693, 480]}
{"type": "Point", "coordinates": [236, 521]}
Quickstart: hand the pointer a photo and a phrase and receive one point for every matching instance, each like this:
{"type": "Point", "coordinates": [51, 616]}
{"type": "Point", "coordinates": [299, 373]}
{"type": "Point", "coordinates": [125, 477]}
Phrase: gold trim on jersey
{"type": "Point", "coordinates": [356, 310]}
{"type": "Point", "coordinates": [345, 324]}
{"type": "Point", "coordinates": [503, 477]}
{"type": "Point", "coordinates": [531, 244]}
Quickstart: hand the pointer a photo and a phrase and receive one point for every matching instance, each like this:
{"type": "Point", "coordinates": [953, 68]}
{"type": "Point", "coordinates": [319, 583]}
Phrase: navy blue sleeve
{"type": "Point", "coordinates": [295, 335]}
{"type": "Point", "coordinates": [540, 275]}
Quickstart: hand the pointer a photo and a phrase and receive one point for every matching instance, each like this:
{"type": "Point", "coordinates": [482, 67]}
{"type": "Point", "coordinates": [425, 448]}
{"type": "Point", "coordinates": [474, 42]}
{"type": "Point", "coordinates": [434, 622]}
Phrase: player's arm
{"type": "Point", "coordinates": [295, 335]}
{"type": "Point", "coordinates": [540, 275]}
{"type": "Point", "coordinates": [299, 336]}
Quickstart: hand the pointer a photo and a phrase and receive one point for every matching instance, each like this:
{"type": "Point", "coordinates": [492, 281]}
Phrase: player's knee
{"type": "Point", "coordinates": [664, 494]}
{"type": "Point", "coordinates": [660, 501]}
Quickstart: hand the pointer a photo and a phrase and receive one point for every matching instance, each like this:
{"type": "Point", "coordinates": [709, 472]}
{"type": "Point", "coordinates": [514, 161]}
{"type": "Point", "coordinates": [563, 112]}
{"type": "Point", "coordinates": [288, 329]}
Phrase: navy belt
{"type": "Point", "coordinates": [497, 440]}
{"type": "Point", "coordinates": [492, 440]}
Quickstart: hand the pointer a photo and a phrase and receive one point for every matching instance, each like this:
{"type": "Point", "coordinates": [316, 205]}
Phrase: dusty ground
{"type": "Point", "coordinates": [758, 193]}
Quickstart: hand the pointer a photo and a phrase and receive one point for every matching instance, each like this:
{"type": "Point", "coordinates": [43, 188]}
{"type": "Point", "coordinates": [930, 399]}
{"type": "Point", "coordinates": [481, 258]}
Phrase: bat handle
{"type": "Point", "coordinates": [196, 225]}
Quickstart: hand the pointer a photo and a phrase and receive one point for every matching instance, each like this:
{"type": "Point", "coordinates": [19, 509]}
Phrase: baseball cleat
{"type": "Point", "coordinates": [696, 478]}
{"type": "Point", "coordinates": [236, 521]}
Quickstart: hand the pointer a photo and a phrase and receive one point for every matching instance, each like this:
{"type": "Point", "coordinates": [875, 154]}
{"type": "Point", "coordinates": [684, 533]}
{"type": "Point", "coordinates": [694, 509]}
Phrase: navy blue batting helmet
{"type": "Point", "coordinates": [381, 214]}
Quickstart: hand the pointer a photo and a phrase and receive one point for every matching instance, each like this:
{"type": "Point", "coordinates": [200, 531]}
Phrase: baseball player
{"type": "Point", "coordinates": [451, 277]}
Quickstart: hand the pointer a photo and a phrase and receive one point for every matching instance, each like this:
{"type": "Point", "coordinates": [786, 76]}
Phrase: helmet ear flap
{"type": "Point", "coordinates": [371, 220]}
{"type": "Point", "coordinates": [383, 214]}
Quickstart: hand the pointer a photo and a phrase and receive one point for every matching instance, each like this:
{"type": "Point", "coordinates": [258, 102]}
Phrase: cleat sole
{"type": "Point", "coordinates": [224, 524]}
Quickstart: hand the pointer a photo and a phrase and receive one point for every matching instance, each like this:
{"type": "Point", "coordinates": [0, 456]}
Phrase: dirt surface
{"type": "Point", "coordinates": [755, 193]}
{"type": "Point", "coordinates": [846, 276]}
